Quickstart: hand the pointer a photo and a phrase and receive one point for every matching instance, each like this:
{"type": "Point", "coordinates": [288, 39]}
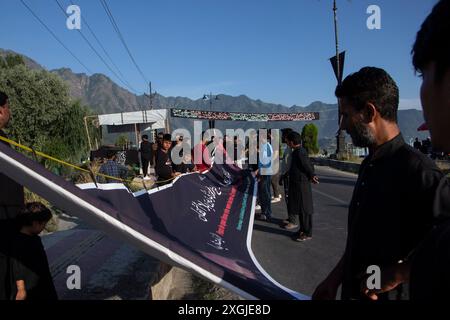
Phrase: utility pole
{"type": "Point", "coordinates": [150, 107]}
{"type": "Point", "coordinates": [340, 137]}
{"type": "Point", "coordinates": [87, 131]}
{"type": "Point", "coordinates": [150, 95]}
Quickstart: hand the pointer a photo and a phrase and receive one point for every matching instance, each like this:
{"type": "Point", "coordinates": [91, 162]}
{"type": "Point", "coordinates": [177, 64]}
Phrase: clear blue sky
{"type": "Point", "coordinates": [276, 51]}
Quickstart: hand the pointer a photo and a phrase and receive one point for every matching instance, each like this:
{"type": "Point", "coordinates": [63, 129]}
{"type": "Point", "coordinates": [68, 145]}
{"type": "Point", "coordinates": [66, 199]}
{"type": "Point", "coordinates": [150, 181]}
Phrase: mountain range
{"type": "Point", "coordinates": [103, 96]}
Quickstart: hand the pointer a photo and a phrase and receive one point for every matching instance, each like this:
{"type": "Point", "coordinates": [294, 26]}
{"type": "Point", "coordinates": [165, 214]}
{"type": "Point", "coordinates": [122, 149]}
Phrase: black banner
{"type": "Point", "coordinates": [242, 116]}
{"type": "Point", "coordinates": [206, 218]}
{"type": "Point", "coordinates": [201, 222]}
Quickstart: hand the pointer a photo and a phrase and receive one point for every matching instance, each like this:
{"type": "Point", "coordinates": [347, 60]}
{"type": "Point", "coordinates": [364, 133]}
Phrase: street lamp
{"type": "Point", "coordinates": [210, 98]}
{"type": "Point", "coordinates": [340, 136]}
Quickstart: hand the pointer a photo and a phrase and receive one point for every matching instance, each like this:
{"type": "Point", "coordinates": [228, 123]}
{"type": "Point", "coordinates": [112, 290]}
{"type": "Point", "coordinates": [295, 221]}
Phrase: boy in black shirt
{"type": "Point", "coordinates": [163, 167]}
{"type": "Point", "coordinates": [30, 269]}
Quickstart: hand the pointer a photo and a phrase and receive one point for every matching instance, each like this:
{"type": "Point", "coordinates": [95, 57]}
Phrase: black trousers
{"type": "Point", "coordinates": [306, 224]}
{"type": "Point", "coordinates": [145, 163]}
{"type": "Point", "coordinates": [8, 228]}
{"type": "Point", "coordinates": [286, 188]}
{"type": "Point", "coordinates": [274, 182]}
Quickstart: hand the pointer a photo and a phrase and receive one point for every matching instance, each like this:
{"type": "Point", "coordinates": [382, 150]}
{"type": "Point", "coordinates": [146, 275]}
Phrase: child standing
{"type": "Point", "coordinates": [30, 269]}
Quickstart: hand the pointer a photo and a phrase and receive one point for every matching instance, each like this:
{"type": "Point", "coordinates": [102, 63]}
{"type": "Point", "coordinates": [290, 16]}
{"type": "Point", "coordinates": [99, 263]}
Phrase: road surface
{"type": "Point", "coordinates": [302, 265]}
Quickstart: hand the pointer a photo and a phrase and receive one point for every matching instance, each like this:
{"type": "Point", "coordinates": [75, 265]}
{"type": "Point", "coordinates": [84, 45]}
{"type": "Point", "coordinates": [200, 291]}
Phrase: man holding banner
{"type": "Point", "coordinates": [11, 201]}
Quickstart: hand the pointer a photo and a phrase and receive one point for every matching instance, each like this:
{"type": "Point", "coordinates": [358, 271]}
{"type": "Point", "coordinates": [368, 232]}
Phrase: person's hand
{"type": "Point", "coordinates": [21, 292]}
{"type": "Point", "coordinates": [327, 290]}
{"type": "Point", "coordinates": [176, 174]}
{"type": "Point", "coordinates": [391, 277]}
{"type": "Point", "coordinates": [315, 180]}
{"type": "Point", "coordinates": [21, 295]}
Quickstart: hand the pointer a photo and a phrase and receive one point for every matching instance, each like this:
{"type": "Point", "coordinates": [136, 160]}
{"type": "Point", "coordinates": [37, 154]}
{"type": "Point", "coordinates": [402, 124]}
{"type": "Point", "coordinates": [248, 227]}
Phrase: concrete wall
{"type": "Point", "coordinates": [336, 164]}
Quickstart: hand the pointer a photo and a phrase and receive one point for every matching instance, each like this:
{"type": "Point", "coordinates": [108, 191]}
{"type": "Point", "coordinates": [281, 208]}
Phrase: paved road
{"type": "Point", "coordinates": [302, 265]}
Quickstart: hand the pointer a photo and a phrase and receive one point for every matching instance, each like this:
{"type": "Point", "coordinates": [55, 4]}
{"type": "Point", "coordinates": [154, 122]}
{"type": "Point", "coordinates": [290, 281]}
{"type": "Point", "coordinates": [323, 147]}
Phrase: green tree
{"type": "Point", "coordinates": [43, 115]}
{"type": "Point", "coordinates": [12, 60]}
{"type": "Point", "coordinates": [121, 141]}
{"type": "Point", "coordinates": [309, 138]}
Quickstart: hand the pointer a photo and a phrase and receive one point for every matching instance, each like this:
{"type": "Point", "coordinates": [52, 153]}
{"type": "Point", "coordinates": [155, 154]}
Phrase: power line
{"type": "Point", "coordinates": [54, 36]}
{"type": "Point", "coordinates": [119, 34]}
{"type": "Point", "coordinates": [95, 51]}
{"type": "Point", "coordinates": [103, 48]}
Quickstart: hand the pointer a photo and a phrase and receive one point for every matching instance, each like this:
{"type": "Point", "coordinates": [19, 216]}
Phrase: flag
{"type": "Point", "coordinates": [333, 61]}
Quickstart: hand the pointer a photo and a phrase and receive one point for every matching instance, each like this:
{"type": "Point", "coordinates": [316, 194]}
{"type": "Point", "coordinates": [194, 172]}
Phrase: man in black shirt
{"type": "Point", "coordinates": [146, 154]}
{"type": "Point", "coordinates": [417, 144]}
{"type": "Point", "coordinates": [163, 168]}
{"type": "Point", "coordinates": [391, 207]}
{"type": "Point", "coordinates": [11, 202]}
{"type": "Point", "coordinates": [428, 270]}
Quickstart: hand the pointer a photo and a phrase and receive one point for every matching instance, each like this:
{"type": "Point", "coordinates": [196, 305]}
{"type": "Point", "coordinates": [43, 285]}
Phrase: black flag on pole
{"type": "Point", "coordinates": [341, 66]}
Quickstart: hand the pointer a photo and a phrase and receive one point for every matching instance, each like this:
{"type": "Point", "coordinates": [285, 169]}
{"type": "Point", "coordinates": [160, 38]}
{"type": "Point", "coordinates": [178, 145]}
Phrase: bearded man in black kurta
{"type": "Point", "coordinates": [301, 174]}
{"type": "Point", "coordinates": [392, 205]}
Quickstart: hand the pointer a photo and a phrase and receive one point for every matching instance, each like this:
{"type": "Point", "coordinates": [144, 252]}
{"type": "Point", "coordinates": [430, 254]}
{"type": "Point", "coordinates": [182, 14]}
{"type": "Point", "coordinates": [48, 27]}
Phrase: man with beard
{"type": "Point", "coordinates": [301, 175]}
{"type": "Point", "coordinates": [428, 270]}
{"type": "Point", "coordinates": [391, 207]}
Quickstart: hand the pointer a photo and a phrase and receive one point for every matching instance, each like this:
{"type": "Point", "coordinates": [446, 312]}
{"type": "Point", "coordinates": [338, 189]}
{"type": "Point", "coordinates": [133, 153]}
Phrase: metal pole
{"type": "Point", "coordinates": [338, 67]}
{"type": "Point", "coordinates": [167, 125]}
{"type": "Point", "coordinates": [340, 139]}
{"type": "Point", "coordinates": [137, 133]}
{"type": "Point", "coordinates": [87, 133]}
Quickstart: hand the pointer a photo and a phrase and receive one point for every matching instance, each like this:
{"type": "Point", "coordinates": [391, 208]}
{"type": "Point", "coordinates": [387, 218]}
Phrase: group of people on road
{"type": "Point", "coordinates": [296, 173]}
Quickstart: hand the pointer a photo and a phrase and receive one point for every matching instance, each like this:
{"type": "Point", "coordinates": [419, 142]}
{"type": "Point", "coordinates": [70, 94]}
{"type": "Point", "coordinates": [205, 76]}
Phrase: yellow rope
{"type": "Point", "coordinates": [43, 155]}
